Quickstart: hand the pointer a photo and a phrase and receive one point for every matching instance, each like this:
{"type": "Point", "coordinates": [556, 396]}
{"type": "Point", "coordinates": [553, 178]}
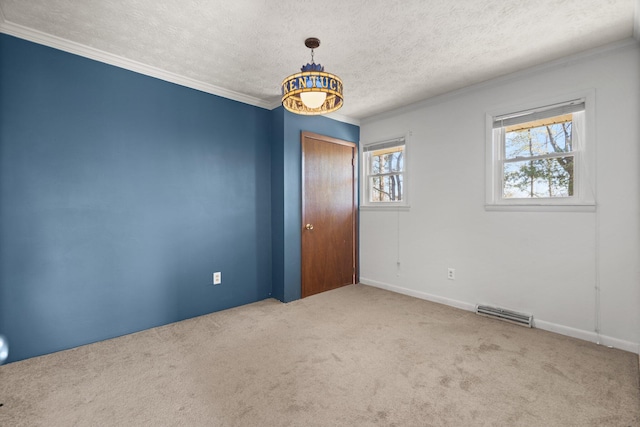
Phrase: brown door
{"type": "Point", "coordinates": [328, 213]}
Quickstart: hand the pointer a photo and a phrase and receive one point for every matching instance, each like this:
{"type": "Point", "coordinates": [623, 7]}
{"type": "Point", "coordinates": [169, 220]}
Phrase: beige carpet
{"type": "Point", "coordinates": [355, 356]}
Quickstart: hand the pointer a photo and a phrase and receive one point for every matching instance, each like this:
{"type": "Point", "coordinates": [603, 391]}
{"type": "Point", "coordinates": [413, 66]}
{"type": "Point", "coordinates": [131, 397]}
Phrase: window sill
{"type": "Point", "coordinates": [394, 208]}
{"type": "Point", "coordinates": [540, 208]}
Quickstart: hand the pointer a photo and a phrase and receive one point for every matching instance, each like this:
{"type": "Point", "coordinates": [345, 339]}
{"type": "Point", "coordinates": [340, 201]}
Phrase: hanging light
{"type": "Point", "coordinates": [313, 91]}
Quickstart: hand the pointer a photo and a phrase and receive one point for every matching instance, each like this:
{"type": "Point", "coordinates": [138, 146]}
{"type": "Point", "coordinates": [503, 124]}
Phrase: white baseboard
{"type": "Point", "coordinates": [419, 294]}
{"type": "Point", "coordinates": [588, 336]}
{"type": "Point", "coordinates": [540, 324]}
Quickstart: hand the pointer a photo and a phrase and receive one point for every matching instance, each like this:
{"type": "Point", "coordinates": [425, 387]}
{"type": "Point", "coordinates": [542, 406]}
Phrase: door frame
{"type": "Point", "coordinates": [354, 203]}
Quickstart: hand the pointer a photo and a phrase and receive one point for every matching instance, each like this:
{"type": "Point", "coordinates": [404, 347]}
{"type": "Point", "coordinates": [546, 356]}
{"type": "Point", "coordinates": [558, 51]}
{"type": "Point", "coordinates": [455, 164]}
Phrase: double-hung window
{"type": "Point", "coordinates": [384, 173]}
{"type": "Point", "coordinates": [539, 157]}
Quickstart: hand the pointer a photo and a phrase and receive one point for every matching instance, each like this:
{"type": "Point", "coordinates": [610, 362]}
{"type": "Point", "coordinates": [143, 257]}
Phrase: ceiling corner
{"type": "Point", "coordinates": [344, 119]}
{"type": "Point", "coordinates": [39, 37]}
{"type": "Point", "coordinates": [2, 19]}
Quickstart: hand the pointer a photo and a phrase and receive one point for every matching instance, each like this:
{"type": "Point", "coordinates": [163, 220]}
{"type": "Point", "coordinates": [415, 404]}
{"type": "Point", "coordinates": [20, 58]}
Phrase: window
{"type": "Point", "coordinates": [384, 173]}
{"type": "Point", "coordinates": [539, 157]}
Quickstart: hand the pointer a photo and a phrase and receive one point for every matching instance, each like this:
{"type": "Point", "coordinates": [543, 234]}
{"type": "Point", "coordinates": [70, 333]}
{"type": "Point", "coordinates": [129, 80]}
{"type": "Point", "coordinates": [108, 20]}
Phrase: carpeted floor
{"type": "Point", "coordinates": [356, 356]}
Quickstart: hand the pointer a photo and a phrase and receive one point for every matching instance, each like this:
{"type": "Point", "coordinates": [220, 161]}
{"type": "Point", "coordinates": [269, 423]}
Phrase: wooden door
{"type": "Point", "coordinates": [329, 215]}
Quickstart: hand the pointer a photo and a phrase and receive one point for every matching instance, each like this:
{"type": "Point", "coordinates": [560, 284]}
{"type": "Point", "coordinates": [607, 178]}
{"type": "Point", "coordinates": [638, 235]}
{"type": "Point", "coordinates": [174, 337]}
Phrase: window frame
{"type": "Point", "coordinates": [365, 189]}
{"type": "Point", "coordinates": [583, 198]}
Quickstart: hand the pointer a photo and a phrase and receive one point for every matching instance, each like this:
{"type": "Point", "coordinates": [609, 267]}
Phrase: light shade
{"type": "Point", "coordinates": [310, 83]}
{"type": "Point", "coordinates": [313, 99]}
{"type": "Point", "coordinates": [313, 91]}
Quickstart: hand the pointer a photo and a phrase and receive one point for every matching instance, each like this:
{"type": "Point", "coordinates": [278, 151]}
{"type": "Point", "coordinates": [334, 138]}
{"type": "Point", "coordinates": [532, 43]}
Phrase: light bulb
{"type": "Point", "coordinates": [313, 100]}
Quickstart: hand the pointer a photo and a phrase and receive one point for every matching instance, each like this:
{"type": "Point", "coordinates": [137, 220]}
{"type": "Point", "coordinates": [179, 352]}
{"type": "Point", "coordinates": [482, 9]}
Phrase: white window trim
{"type": "Point", "coordinates": [584, 198]}
{"type": "Point", "coordinates": [402, 205]}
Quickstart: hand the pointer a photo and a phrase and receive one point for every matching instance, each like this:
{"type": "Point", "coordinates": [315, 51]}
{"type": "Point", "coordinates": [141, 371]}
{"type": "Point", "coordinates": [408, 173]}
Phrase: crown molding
{"type": "Point", "coordinates": [629, 43]}
{"type": "Point", "coordinates": [59, 43]}
{"type": "Point", "coordinates": [343, 118]}
{"type": "Point", "coordinates": [65, 45]}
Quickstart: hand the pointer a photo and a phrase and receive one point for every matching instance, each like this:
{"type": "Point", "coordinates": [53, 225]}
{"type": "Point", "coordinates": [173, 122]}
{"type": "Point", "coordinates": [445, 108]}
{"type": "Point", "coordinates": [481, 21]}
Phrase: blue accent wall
{"type": "Point", "coordinates": [286, 193]}
{"type": "Point", "coordinates": [120, 195]}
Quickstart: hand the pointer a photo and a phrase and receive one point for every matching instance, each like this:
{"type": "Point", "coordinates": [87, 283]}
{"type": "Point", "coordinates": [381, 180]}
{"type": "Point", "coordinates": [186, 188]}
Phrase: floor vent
{"type": "Point", "coordinates": [506, 315]}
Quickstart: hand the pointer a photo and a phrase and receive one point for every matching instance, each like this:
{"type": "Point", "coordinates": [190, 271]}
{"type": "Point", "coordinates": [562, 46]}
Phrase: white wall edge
{"type": "Point", "coordinates": [488, 84]}
{"type": "Point", "coordinates": [540, 324]}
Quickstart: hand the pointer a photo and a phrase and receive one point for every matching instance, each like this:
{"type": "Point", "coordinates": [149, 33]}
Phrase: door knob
{"type": "Point", "coordinates": [309, 226]}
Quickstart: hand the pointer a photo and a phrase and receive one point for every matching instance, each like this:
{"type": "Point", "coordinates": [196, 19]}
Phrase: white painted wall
{"type": "Point", "coordinates": [544, 263]}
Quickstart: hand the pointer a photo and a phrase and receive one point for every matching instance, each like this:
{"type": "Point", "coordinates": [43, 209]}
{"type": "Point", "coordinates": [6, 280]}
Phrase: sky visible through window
{"type": "Point", "coordinates": [538, 159]}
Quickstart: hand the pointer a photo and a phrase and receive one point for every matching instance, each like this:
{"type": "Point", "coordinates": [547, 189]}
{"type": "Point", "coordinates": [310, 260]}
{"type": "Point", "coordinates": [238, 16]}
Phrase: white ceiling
{"type": "Point", "coordinates": [389, 53]}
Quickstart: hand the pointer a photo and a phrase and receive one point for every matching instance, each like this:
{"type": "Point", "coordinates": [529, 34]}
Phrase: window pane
{"type": "Point", "coordinates": [539, 137]}
{"type": "Point", "coordinates": [386, 188]}
{"type": "Point", "coordinates": [387, 160]}
{"type": "Point", "coordinates": [539, 178]}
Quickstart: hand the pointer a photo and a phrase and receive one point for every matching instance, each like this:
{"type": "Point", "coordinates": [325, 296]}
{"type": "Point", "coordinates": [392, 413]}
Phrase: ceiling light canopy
{"type": "Point", "coordinates": [313, 91]}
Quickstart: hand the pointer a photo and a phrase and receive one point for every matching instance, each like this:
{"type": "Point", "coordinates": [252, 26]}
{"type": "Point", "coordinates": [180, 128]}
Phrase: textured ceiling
{"type": "Point", "coordinates": [389, 53]}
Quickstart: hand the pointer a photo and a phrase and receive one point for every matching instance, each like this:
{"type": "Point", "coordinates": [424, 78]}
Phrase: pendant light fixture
{"type": "Point", "coordinates": [313, 91]}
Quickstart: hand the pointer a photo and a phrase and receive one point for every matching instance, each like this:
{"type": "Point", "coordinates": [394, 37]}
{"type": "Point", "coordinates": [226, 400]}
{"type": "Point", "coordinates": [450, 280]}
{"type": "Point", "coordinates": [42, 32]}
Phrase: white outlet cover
{"type": "Point", "coordinates": [451, 273]}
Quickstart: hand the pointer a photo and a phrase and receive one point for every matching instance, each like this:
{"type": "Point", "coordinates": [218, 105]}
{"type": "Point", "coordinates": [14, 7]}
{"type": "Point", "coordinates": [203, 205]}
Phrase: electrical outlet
{"type": "Point", "coordinates": [451, 273]}
{"type": "Point", "coordinates": [217, 278]}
